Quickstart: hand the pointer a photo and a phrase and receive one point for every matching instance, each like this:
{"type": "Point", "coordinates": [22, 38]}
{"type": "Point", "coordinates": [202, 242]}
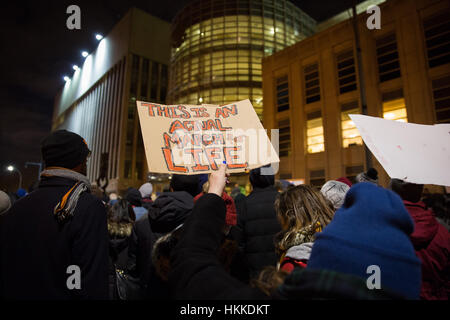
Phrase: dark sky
{"type": "Point", "coordinates": [38, 49]}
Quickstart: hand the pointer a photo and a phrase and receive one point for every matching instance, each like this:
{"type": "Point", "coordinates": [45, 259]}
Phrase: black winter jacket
{"type": "Point", "coordinates": [257, 225]}
{"type": "Point", "coordinates": [196, 272]}
{"type": "Point", "coordinates": [168, 211]}
{"type": "Point", "coordinates": [36, 250]}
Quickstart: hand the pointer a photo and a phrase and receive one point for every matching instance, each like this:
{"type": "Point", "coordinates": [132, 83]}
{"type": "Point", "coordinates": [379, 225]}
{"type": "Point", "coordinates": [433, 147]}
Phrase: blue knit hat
{"type": "Point", "coordinates": [371, 228]}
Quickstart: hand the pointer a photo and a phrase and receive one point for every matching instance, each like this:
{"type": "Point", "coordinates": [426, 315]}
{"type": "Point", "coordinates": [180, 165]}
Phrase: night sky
{"type": "Point", "coordinates": [38, 49]}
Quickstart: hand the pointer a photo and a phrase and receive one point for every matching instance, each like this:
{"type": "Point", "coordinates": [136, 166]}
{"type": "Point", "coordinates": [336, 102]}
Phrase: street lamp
{"type": "Point", "coordinates": [11, 169]}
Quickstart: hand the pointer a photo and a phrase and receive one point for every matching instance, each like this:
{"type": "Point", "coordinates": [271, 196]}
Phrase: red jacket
{"type": "Point", "coordinates": [432, 244]}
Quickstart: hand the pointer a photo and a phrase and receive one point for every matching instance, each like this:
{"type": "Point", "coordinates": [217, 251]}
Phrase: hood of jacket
{"type": "Point", "coordinates": [300, 252]}
{"type": "Point", "coordinates": [425, 224]}
{"type": "Point", "coordinates": [170, 210]}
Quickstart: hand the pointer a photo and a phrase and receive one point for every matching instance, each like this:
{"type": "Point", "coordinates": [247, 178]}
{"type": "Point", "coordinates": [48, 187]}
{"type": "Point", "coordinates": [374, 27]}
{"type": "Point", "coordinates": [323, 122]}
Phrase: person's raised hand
{"type": "Point", "coordinates": [218, 180]}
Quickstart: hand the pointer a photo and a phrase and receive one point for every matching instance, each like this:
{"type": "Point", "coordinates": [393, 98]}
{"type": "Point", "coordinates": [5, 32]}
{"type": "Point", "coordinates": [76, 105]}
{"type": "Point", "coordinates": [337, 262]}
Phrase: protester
{"type": "Point", "coordinates": [113, 198]}
{"type": "Point", "coordinates": [337, 268]}
{"type": "Point", "coordinates": [60, 231]}
{"type": "Point", "coordinates": [146, 193]}
{"type": "Point", "coordinates": [120, 223]}
{"type": "Point", "coordinates": [345, 180]}
{"type": "Point", "coordinates": [370, 176]}
{"type": "Point", "coordinates": [430, 239]}
{"type": "Point", "coordinates": [166, 213]}
{"type": "Point", "coordinates": [335, 191]}
{"type": "Point", "coordinates": [231, 255]}
{"type": "Point", "coordinates": [133, 196]}
{"type": "Point", "coordinates": [257, 221]}
{"type": "Point", "coordinates": [440, 205]}
{"type": "Point", "coordinates": [5, 202]}
{"type": "Point", "coordinates": [302, 212]}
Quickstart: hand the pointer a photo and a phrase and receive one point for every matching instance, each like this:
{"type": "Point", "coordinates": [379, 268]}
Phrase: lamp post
{"type": "Point", "coordinates": [11, 169]}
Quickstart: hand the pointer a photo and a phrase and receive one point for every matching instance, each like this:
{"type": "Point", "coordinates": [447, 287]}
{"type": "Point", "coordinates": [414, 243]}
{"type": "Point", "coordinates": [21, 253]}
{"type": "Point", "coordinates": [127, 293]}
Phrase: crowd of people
{"type": "Point", "coordinates": [195, 241]}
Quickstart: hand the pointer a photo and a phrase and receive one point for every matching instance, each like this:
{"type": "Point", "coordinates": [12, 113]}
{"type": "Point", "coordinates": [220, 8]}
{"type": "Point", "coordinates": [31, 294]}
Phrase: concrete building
{"type": "Point", "coordinates": [311, 87]}
{"type": "Point", "coordinates": [217, 47]}
{"type": "Point", "coordinates": [99, 100]}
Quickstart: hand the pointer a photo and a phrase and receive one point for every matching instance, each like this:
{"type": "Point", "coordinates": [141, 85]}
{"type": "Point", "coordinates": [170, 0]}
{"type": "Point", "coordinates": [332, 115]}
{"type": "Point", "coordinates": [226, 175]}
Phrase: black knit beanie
{"type": "Point", "coordinates": [65, 149]}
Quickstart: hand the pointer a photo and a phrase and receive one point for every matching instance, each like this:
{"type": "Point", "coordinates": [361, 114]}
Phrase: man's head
{"type": "Point", "coordinates": [261, 177]}
{"type": "Point", "coordinates": [65, 149]}
{"type": "Point", "coordinates": [188, 183]}
{"type": "Point", "coordinates": [407, 191]}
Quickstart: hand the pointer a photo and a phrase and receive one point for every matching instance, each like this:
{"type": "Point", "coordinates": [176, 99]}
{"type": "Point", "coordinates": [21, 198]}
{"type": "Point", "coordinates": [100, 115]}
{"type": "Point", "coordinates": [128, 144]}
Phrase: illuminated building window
{"type": "Point", "coordinates": [394, 107]}
{"type": "Point", "coordinates": [282, 89]}
{"type": "Point", "coordinates": [312, 84]}
{"type": "Point", "coordinates": [314, 132]}
{"type": "Point", "coordinates": [284, 127]}
{"type": "Point", "coordinates": [221, 43]}
{"type": "Point", "coordinates": [346, 71]}
{"type": "Point", "coordinates": [387, 58]}
{"type": "Point", "coordinates": [350, 135]}
{"type": "Point", "coordinates": [437, 32]}
{"type": "Point", "coordinates": [441, 97]}
{"type": "Point", "coordinates": [317, 177]}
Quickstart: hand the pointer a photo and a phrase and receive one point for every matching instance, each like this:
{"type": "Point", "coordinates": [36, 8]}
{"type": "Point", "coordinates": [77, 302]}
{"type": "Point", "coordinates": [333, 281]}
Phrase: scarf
{"type": "Point", "coordinates": [66, 206]}
{"type": "Point", "coordinates": [289, 239]}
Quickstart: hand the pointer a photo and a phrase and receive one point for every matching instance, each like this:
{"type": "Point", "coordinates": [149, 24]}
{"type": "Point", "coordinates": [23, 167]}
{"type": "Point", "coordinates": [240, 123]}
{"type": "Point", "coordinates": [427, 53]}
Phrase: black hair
{"type": "Point", "coordinates": [188, 183]}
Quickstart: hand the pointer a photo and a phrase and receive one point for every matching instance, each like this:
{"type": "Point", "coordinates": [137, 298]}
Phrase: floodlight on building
{"type": "Point", "coordinates": [66, 78]}
{"type": "Point", "coordinates": [84, 54]}
{"type": "Point", "coordinates": [75, 67]}
{"type": "Point", "coordinates": [98, 37]}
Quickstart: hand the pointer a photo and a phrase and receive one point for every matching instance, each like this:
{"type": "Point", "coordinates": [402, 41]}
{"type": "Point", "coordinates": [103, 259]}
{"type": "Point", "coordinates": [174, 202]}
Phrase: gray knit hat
{"type": "Point", "coordinates": [370, 176]}
{"type": "Point", "coordinates": [335, 192]}
{"type": "Point", "coordinates": [5, 202]}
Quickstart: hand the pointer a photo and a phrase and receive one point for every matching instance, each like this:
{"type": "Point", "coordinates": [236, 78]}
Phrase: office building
{"type": "Point", "coordinates": [99, 100]}
{"type": "Point", "coordinates": [311, 87]}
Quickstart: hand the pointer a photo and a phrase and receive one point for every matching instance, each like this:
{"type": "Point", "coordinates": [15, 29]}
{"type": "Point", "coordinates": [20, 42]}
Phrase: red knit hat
{"type": "Point", "coordinates": [345, 180]}
{"type": "Point", "coordinates": [231, 216]}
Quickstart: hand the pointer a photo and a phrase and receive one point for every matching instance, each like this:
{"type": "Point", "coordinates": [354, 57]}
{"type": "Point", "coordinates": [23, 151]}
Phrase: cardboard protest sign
{"type": "Point", "coordinates": [193, 139]}
{"type": "Point", "coordinates": [412, 152]}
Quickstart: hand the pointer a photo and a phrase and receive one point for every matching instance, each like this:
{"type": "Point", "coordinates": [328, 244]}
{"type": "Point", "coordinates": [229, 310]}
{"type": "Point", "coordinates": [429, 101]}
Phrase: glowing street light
{"type": "Point", "coordinates": [98, 37]}
{"type": "Point", "coordinates": [75, 67]}
{"type": "Point", "coordinates": [66, 78]}
{"type": "Point", "coordinates": [11, 168]}
{"type": "Point", "coordinates": [84, 54]}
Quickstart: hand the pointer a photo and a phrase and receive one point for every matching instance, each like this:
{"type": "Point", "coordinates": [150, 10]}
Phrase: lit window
{"type": "Point", "coordinates": [314, 132]}
{"type": "Point", "coordinates": [394, 107]}
{"type": "Point", "coordinates": [350, 135]}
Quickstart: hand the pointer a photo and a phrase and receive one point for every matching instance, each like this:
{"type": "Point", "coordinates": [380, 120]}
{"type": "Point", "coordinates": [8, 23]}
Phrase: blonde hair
{"type": "Point", "coordinates": [302, 211]}
{"type": "Point", "coordinates": [120, 229]}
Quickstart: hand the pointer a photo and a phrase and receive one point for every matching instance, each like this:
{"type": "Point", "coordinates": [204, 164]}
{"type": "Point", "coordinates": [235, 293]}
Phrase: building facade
{"type": "Point", "coordinates": [217, 47]}
{"type": "Point", "coordinates": [311, 87]}
{"type": "Point", "coordinates": [99, 101]}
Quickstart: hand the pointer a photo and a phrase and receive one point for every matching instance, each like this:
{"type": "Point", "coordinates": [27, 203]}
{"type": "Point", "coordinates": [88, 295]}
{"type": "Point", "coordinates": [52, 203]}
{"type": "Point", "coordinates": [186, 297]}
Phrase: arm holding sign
{"type": "Point", "coordinates": [197, 272]}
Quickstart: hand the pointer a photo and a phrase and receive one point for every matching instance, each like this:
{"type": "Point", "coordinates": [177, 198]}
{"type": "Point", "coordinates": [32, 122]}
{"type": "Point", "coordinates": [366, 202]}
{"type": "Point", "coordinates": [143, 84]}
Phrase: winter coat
{"type": "Point", "coordinates": [36, 250]}
{"type": "Point", "coordinates": [196, 272]}
{"type": "Point", "coordinates": [256, 228]}
{"type": "Point", "coordinates": [167, 212]}
{"type": "Point", "coordinates": [296, 256]}
{"type": "Point", "coordinates": [118, 255]}
{"type": "Point", "coordinates": [432, 244]}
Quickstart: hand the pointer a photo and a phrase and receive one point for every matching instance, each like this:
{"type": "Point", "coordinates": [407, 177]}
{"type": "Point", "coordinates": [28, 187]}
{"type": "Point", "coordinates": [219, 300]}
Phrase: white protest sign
{"type": "Point", "coordinates": [412, 152]}
{"type": "Point", "coordinates": [193, 139]}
